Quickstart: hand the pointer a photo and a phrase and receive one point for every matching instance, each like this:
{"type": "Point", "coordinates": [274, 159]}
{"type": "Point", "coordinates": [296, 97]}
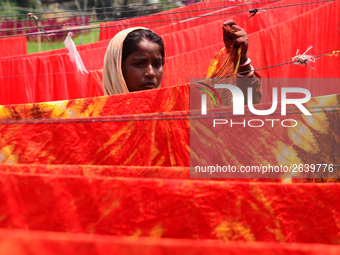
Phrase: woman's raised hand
{"type": "Point", "coordinates": [237, 36]}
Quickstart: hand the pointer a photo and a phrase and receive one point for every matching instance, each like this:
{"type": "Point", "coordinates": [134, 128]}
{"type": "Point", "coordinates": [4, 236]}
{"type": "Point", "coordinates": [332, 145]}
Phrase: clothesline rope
{"type": "Point", "coordinates": [303, 59]}
{"type": "Point", "coordinates": [147, 22]}
{"type": "Point", "coordinates": [156, 116]}
{"type": "Point", "coordinates": [95, 9]}
{"type": "Point", "coordinates": [195, 112]}
{"type": "Point", "coordinates": [334, 53]}
{"type": "Point", "coordinates": [80, 16]}
{"type": "Point", "coordinates": [126, 6]}
{"type": "Point", "coordinates": [231, 6]}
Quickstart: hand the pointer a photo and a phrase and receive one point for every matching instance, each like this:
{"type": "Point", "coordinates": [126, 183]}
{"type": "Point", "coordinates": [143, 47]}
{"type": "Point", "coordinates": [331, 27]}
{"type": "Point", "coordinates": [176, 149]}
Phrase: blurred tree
{"type": "Point", "coordinates": [101, 13]}
{"type": "Point", "coordinates": [88, 3]}
{"type": "Point", "coordinates": [35, 4]}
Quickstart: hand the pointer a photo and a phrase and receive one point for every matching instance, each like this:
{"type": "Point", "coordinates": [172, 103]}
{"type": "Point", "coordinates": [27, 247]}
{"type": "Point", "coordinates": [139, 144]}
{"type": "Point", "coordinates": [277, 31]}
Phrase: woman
{"type": "Point", "coordinates": [135, 57]}
{"type": "Point", "coordinates": [133, 61]}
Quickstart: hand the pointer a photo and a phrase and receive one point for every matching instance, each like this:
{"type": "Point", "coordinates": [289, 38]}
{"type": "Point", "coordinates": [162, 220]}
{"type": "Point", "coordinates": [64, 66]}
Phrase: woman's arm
{"type": "Point", "coordinates": [237, 36]}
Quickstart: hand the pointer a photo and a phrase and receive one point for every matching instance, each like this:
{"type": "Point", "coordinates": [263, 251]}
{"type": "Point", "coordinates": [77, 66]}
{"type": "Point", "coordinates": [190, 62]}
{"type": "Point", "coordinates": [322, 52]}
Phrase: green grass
{"type": "Point", "coordinates": [4, 11]}
{"type": "Point", "coordinates": [32, 47]}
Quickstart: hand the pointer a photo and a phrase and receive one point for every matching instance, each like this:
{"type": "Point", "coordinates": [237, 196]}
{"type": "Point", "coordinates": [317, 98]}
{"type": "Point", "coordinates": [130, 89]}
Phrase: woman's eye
{"type": "Point", "coordinates": [158, 64]}
{"type": "Point", "coordinates": [138, 64]}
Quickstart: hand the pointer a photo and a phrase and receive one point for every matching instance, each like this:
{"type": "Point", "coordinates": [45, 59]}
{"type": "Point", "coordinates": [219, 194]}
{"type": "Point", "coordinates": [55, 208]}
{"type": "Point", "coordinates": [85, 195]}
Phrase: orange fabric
{"type": "Point", "coordinates": [216, 62]}
{"type": "Point", "coordinates": [148, 132]}
{"type": "Point", "coordinates": [261, 212]}
{"type": "Point", "coordinates": [18, 242]}
{"type": "Point", "coordinates": [119, 165]}
{"type": "Point", "coordinates": [171, 99]}
{"type": "Point", "coordinates": [266, 31]}
{"type": "Point", "coordinates": [115, 171]}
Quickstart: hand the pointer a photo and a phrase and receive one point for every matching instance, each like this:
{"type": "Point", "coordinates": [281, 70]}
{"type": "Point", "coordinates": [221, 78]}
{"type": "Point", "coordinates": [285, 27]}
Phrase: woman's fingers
{"type": "Point", "coordinates": [241, 40]}
{"type": "Point", "coordinates": [236, 28]}
{"type": "Point", "coordinates": [236, 35]}
{"type": "Point", "coordinates": [229, 23]}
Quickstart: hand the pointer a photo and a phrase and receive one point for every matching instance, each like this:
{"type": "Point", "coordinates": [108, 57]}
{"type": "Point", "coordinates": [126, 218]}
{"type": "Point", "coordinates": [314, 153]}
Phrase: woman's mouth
{"type": "Point", "coordinates": [149, 85]}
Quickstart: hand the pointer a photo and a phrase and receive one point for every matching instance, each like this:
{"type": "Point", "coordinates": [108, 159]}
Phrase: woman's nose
{"type": "Point", "coordinates": [150, 72]}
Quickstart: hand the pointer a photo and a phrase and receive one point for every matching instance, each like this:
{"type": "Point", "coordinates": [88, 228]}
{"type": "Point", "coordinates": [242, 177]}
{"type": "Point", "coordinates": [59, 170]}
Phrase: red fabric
{"type": "Point", "coordinates": [188, 59]}
{"type": "Point", "coordinates": [179, 69]}
{"type": "Point", "coordinates": [217, 15]}
{"type": "Point", "coordinates": [130, 176]}
{"type": "Point", "coordinates": [21, 84]}
{"type": "Point", "coordinates": [65, 143]}
{"type": "Point", "coordinates": [171, 208]}
{"type": "Point", "coordinates": [115, 171]}
{"type": "Point", "coordinates": [94, 86]}
{"type": "Point", "coordinates": [163, 100]}
{"type": "Point", "coordinates": [157, 138]}
{"type": "Point", "coordinates": [109, 29]}
{"type": "Point", "coordinates": [17, 242]}
{"type": "Point", "coordinates": [82, 47]}
{"type": "Point", "coordinates": [12, 46]}
{"type": "Point", "coordinates": [50, 76]}
{"type": "Point", "coordinates": [284, 43]}
{"type": "Point", "coordinates": [204, 34]}
{"type": "Point", "coordinates": [171, 99]}
{"type": "Point", "coordinates": [46, 78]}
{"type": "Point", "coordinates": [264, 50]}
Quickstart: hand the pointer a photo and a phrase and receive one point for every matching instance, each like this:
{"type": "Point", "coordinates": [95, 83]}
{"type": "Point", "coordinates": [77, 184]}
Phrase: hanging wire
{"type": "Point", "coordinates": [127, 6]}
{"type": "Point", "coordinates": [66, 32]}
{"type": "Point", "coordinates": [86, 14]}
{"type": "Point", "coordinates": [157, 116]}
{"type": "Point", "coordinates": [103, 28]}
{"type": "Point", "coordinates": [148, 22]}
{"type": "Point", "coordinates": [92, 14]}
{"type": "Point", "coordinates": [153, 15]}
{"type": "Point", "coordinates": [290, 62]}
{"type": "Point", "coordinates": [93, 9]}
{"type": "Point", "coordinates": [327, 54]}
{"type": "Point", "coordinates": [226, 76]}
{"type": "Point", "coordinates": [178, 114]}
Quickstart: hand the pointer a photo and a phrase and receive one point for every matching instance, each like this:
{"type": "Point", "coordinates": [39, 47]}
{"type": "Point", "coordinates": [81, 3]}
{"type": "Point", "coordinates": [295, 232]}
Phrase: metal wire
{"type": "Point", "coordinates": [98, 8]}
{"type": "Point", "coordinates": [153, 15]}
{"type": "Point", "coordinates": [87, 14]}
{"type": "Point", "coordinates": [226, 76]}
{"type": "Point", "coordinates": [290, 62]}
{"type": "Point", "coordinates": [148, 22]}
{"type": "Point", "coordinates": [191, 113]}
{"type": "Point", "coordinates": [80, 16]}
{"type": "Point", "coordinates": [159, 116]}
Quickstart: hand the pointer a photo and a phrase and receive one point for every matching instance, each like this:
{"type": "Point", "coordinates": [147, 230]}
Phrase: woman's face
{"type": "Point", "coordinates": [143, 69]}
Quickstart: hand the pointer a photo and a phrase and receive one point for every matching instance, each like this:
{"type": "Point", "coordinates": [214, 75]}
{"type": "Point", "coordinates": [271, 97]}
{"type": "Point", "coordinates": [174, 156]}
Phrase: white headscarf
{"type": "Point", "coordinates": [113, 79]}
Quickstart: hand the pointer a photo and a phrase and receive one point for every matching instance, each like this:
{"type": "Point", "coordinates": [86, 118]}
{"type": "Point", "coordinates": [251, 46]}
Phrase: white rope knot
{"type": "Point", "coordinates": [303, 59]}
